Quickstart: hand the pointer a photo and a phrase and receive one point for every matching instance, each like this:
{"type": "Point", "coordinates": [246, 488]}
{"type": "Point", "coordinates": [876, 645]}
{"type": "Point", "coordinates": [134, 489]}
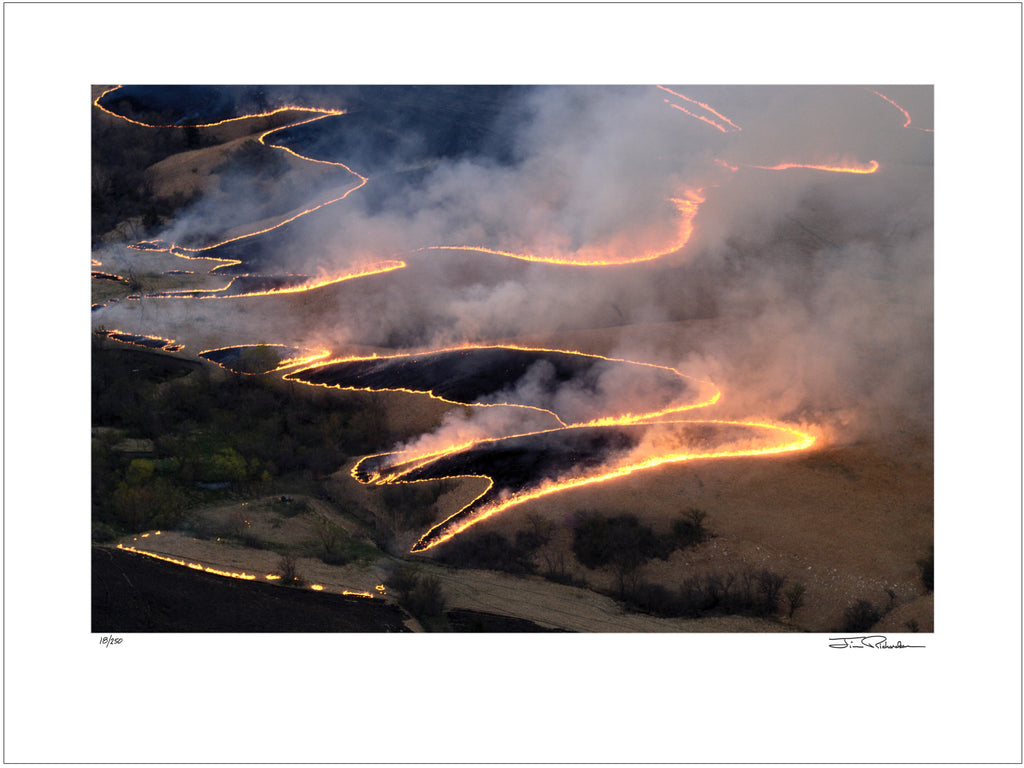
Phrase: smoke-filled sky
{"type": "Point", "coordinates": [813, 286]}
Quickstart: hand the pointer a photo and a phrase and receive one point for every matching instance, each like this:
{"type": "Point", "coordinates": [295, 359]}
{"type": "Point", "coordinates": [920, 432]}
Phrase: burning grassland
{"type": "Point", "coordinates": [572, 386]}
{"type": "Point", "coordinates": [802, 252]}
{"type": "Point", "coordinates": [144, 340]}
{"type": "Point", "coordinates": [525, 467]}
{"type": "Point", "coordinates": [261, 358]}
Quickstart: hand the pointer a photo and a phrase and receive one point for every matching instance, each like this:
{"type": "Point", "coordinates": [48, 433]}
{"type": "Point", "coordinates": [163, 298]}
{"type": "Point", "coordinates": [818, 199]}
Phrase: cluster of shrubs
{"type": "Point", "coordinates": [624, 544]}
{"type": "Point", "coordinates": [420, 595]}
{"type": "Point", "coordinates": [492, 551]}
{"type": "Point", "coordinates": [621, 543]}
{"type": "Point", "coordinates": [749, 593]}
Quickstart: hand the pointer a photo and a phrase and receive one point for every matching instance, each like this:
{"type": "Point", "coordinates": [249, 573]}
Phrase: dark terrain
{"type": "Point", "coordinates": [134, 593]}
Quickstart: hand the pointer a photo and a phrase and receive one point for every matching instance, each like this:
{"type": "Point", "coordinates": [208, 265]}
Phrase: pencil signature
{"type": "Point", "coordinates": [867, 641]}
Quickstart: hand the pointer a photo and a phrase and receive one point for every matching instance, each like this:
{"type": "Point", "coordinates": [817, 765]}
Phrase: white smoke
{"type": "Point", "coordinates": [815, 287]}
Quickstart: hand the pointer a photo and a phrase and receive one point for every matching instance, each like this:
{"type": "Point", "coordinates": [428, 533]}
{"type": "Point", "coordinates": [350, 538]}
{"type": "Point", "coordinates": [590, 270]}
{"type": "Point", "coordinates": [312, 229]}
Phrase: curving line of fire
{"type": "Point", "coordinates": [378, 268]}
{"type": "Point", "coordinates": [905, 113]}
{"type": "Point", "coordinates": [785, 439]}
{"type": "Point", "coordinates": [791, 440]}
{"type": "Point", "coordinates": [779, 438]}
{"type": "Point", "coordinates": [686, 205]}
{"type": "Point", "coordinates": [319, 113]}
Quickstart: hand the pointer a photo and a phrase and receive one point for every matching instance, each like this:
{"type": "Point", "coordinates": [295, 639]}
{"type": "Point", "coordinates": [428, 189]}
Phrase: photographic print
{"type": "Point", "coordinates": [512, 358]}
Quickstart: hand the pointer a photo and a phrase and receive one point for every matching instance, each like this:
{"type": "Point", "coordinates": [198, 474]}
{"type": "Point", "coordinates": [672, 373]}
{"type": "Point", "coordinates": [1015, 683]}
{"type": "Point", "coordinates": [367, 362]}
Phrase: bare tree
{"type": "Point", "coordinates": [287, 568]}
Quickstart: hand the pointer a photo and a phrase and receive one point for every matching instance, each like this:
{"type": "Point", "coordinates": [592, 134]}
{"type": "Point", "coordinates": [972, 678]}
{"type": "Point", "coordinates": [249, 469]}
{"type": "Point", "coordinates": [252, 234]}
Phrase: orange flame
{"type": "Point", "coordinates": [221, 293]}
{"type": "Point", "coordinates": [140, 339]}
{"type": "Point", "coordinates": [791, 440]}
{"type": "Point", "coordinates": [871, 167]}
{"type": "Point", "coordinates": [905, 113]}
{"type": "Point", "coordinates": [710, 393]}
{"type": "Point", "coordinates": [220, 572]}
{"type": "Point", "coordinates": [319, 114]}
{"type": "Point", "coordinates": [779, 438]}
{"type": "Point", "coordinates": [194, 566]}
{"type": "Point", "coordinates": [686, 210]}
{"type": "Point", "coordinates": [732, 126]}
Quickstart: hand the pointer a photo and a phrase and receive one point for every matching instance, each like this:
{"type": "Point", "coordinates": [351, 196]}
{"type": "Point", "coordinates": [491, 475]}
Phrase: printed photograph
{"type": "Point", "coordinates": [512, 358]}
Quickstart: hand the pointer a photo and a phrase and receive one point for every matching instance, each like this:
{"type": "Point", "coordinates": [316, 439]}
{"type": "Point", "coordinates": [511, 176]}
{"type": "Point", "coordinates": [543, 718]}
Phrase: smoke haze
{"type": "Point", "coordinates": [812, 289]}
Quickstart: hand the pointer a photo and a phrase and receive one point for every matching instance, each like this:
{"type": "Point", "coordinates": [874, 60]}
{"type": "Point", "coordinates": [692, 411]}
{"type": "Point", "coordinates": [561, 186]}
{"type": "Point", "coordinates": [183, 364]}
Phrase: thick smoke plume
{"type": "Point", "coordinates": [805, 294]}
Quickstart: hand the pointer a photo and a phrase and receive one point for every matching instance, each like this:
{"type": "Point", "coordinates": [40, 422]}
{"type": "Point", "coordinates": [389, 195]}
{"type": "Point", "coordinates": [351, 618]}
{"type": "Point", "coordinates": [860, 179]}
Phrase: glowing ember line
{"type": "Point", "coordinates": [707, 120]}
{"type": "Point", "coordinates": [333, 113]}
{"type": "Point", "coordinates": [319, 112]}
{"type": "Point", "coordinates": [871, 167]}
{"type": "Point", "coordinates": [426, 392]}
{"type": "Point", "coordinates": [221, 293]}
{"type": "Point", "coordinates": [144, 340]}
{"type": "Point", "coordinates": [180, 250]}
{"type": "Point", "coordinates": [304, 359]}
{"type": "Point", "coordinates": [398, 465]}
{"type": "Point", "coordinates": [686, 208]}
{"type": "Point", "coordinates": [194, 566]}
{"type": "Point", "coordinates": [905, 113]}
{"type": "Point", "coordinates": [219, 572]}
{"type": "Point", "coordinates": [710, 398]}
{"type": "Point", "coordinates": [416, 461]}
{"type": "Point", "coordinates": [394, 466]}
{"type": "Point", "coordinates": [411, 460]}
{"type": "Point", "coordinates": [704, 106]}
{"type": "Point", "coordinates": [97, 275]}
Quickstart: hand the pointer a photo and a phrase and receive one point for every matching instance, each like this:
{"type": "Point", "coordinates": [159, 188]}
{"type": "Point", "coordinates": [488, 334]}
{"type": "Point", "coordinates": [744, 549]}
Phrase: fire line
{"type": "Point", "coordinates": [905, 113]}
{"type": "Point", "coordinates": [732, 126]}
{"type": "Point", "coordinates": [400, 466]}
{"type": "Point", "coordinates": [396, 467]}
{"type": "Point", "coordinates": [871, 167]}
{"type": "Point", "coordinates": [319, 114]}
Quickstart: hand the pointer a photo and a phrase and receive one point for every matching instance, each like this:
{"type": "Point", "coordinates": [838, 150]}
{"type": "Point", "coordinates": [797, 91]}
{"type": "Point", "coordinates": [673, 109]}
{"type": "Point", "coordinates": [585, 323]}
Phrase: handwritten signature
{"type": "Point", "coordinates": [867, 641]}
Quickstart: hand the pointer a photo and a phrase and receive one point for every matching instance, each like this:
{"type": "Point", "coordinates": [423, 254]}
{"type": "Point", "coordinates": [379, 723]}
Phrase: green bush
{"type": "Point", "coordinates": [139, 471]}
{"type": "Point", "coordinates": [224, 466]}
